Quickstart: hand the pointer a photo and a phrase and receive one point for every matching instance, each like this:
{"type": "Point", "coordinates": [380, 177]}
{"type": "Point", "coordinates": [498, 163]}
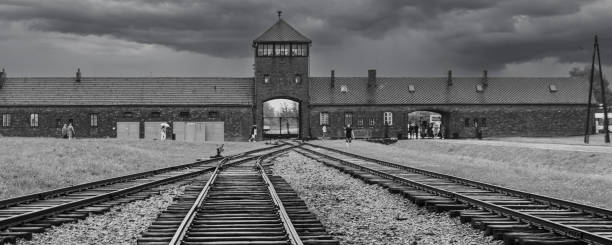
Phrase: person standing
{"type": "Point", "coordinates": [415, 129]}
{"type": "Point", "coordinates": [65, 131]}
{"type": "Point", "coordinates": [70, 131]}
{"type": "Point", "coordinates": [162, 133]}
{"type": "Point", "coordinates": [324, 131]}
{"type": "Point", "coordinates": [348, 131]}
{"type": "Point", "coordinates": [253, 133]}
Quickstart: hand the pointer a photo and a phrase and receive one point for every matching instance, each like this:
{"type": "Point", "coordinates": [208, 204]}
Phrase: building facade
{"type": "Point", "coordinates": [225, 109]}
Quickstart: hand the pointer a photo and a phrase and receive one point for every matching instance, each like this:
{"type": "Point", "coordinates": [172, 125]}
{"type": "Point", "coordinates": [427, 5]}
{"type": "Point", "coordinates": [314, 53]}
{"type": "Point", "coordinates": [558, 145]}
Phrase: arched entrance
{"type": "Point", "coordinates": [426, 125]}
{"type": "Point", "coordinates": [281, 119]}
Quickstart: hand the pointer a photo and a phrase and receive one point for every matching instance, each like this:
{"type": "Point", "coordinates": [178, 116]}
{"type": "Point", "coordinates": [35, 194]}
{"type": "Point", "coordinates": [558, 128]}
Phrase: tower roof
{"type": "Point", "coordinates": [281, 31]}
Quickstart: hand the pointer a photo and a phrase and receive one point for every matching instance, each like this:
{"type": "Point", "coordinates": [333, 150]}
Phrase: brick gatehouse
{"type": "Point", "coordinates": [217, 109]}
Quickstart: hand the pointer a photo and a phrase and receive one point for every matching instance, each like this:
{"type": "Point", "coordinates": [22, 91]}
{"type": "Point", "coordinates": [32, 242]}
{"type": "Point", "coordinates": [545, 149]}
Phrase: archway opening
{"type": "Point", "coordinates": [281, 119]}
{"type": "Point", "coordinates": [426, 125]}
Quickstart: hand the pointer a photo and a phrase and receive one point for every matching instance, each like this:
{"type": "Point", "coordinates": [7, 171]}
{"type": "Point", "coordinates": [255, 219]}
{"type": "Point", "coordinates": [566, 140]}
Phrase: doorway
{"type": "Point", "coordinates": [281, 119]}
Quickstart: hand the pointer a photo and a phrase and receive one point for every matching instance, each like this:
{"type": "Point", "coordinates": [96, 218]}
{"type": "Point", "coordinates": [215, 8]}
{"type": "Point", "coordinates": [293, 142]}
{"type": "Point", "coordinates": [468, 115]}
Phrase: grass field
{"type": "Point", "coordinates": [578, 176]}
{"type": "Point", "coordinates": [31, 165]}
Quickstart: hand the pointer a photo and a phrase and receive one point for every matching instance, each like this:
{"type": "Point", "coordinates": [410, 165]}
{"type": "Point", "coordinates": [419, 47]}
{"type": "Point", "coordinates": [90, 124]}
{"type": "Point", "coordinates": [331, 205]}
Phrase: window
{"type": "Point", "coordinates": [411, 88]}
{"type": "Point", "coordinates": [34, 120]}
{"type": "Point", "coordinates": [6, 120]}
{"type": "Point", "coordinates": [359, 122]}
{"type": "Point", "coordinates": [298, 78]}
{"type": "Point", "coordinates": [479, 88]}
{"type": "Point", "coordinates": [184, 114]}
{"type": "Point", "coordinates": [348, 118]}
{"type": "Point", "coordinates": [93, 119]}
{"type": "Point", "coordinates": [59, 123]}
{"type": "Point", "coordinates": [281, 49]}
{"type": "Point", "coordinates": [128, 114]}
{"type": "Point", "coordinates": [552, 88]}
{"type": "Point", "coordinates": [213, 114]}
{"type": "Point", "coordinates": [266, 78]}
{"type": "Point", "coordinates": [155, 114]}
{"type": "Point", "coordinates": [265, 50]}
{"type": "Point", "coordinates": [388, 118]}
{"type": "Point", "coordinates": [466, 123]}
{"type": "Point", "coordinates": [343, 88]}
{"type": "Point", "coordinates": [323, 118]}
{"type": "Point", "coordinates": [372, 121]}
{"type": "Point", "coordinates": [299, 49]}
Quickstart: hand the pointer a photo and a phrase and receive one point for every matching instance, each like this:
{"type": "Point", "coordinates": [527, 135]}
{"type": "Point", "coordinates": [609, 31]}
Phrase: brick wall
{"type": "Point", "coordinates": [237, 119]}
{"type": "Point", "coordinates": [501, 120]}
{"type": "Point", "coordinates": [282, 71]}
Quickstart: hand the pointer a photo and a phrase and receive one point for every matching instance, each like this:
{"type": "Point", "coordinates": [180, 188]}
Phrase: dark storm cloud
{"type": "Point", "coordinates": [471, 33]}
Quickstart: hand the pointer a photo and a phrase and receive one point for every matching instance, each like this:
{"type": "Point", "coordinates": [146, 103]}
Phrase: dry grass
{"type": "Point", "coordinates": [577, 176]}
{"type": "Point", "coordinates": [31, 165]}
{"type": "Point", "coordinates": [597, 139]}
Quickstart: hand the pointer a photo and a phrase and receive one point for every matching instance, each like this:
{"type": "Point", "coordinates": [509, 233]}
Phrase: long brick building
{"type": "Point", "coordinates": [216, 109]}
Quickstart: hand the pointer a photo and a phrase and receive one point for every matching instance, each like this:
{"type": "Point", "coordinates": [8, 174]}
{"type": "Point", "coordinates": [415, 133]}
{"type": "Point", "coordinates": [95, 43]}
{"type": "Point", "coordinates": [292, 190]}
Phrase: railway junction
{"type": "Point", "coordinates": [244, 199]}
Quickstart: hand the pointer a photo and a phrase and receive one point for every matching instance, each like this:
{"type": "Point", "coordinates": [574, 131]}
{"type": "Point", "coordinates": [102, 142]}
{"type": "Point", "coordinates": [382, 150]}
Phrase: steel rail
{"type": "Point", "coordinates": [596, 211]}
{"type": "Point", "coordinates": [183, 228]}
{"type": "Point", "coordinates": [89, 185]}
{"type": "Point", "coordinates": [521, 217]}
{"type": "Point", "coordinates": [46, 212]}
{"type": "Point", "coordinates": [191, 214]}
{"type": "Point", "coordinates": [282, 212]}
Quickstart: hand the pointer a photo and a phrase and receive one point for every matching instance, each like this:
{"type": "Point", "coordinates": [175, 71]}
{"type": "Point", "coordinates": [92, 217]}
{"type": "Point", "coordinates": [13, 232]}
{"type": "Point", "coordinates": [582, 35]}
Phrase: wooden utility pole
{"type": "Point", "coordinates": [603, 96]}
{"type": "Point", "coordinates": [587, 127]}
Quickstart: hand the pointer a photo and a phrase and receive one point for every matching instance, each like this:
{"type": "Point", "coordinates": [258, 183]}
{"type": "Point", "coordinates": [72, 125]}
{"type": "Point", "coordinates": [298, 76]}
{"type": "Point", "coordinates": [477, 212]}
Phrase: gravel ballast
{"type": "Point", "coordinates": [121, 225]}
{"type": "Point", "coordinates": [358, 213]}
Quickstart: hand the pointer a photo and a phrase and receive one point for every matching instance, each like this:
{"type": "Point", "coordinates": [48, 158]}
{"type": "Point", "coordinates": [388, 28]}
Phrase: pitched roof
{"type": "Point", "coordinates": [281, 32]}
{"type": "Point", "coordinates": [127, 91]}
{"type": "Point", "coordinates": [504, 90]}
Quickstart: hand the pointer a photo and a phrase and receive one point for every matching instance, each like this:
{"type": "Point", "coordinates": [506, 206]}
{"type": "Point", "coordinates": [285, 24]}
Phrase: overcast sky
{"type": "Point", "coordinates": [213, 38]}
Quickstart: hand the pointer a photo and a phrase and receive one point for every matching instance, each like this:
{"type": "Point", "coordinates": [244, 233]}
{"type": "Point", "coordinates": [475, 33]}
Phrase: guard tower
{"type": "Point", "coordinates": [282, 71]}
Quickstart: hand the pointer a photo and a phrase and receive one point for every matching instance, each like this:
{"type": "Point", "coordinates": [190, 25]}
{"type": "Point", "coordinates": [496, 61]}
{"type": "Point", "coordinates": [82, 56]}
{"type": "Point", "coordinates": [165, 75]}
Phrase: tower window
{"type": "Point", "coordinates": [266, 78]}
{"type": "Point", "coordinates": [299, 49]}
{"type": "Point", "coordinates": [281, 49]}
{"type": "Point", "coordinates": [298, 78]}
{"type": "Point", "coordinates": [265, 49]}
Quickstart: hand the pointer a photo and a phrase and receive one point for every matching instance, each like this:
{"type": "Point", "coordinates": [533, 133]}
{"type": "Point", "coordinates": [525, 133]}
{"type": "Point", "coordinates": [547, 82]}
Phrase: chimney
{"type": "Point", "coordinates": [78, 75]}
{"type": "Point", "coordinates": [449, 81]}
{"type": "Point", "coordinates": [333, 79]}
{"type": "Point", "coordinates": [371, 78]}
{"type": "Point", "coordinates": [485, 79]}
{"type": "Point", "coordinates": [2, 77]}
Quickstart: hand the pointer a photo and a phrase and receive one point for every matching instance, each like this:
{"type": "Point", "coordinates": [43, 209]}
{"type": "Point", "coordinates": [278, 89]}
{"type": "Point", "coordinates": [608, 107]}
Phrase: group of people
{"type": "Point", "coordinates": [68, 131]}
{"type": "Point", "coordinates": [427, 130]}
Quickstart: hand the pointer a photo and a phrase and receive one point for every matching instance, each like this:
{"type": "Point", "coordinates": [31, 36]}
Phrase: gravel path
{"type": "Point", "coordinates": [122, 225]}
{"type": "Point", "coordinates": [358, 213]}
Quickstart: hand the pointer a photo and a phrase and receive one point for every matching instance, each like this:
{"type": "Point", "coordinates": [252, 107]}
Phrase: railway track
{"type": "Point", "coordinates": [22, 216]}
{"type": "Point", "coordinates": [240, 204]}
{"type": "Point", "coordinates": [514, 216]}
